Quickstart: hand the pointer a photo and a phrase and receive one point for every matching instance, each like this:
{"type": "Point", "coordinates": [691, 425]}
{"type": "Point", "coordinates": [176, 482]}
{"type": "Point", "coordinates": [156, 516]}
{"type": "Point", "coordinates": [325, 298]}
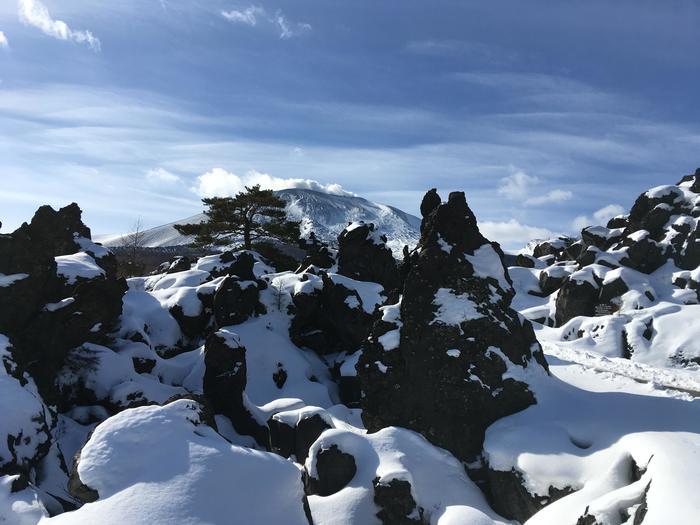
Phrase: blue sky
{"type": "Point", "coordinates": [549, 114]}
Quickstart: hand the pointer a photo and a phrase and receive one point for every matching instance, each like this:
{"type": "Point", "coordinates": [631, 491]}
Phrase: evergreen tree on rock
{"type": "Point", "coordinates": [252, 214]}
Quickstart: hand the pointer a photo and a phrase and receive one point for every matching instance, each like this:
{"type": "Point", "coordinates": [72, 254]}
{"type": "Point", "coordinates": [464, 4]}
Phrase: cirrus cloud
{"type": "Point", "coordinates": [4, 44]}
{"type": "Point", "coordinates": [34, 13]}
{"type": "Point", "coordinates": [253, 14]}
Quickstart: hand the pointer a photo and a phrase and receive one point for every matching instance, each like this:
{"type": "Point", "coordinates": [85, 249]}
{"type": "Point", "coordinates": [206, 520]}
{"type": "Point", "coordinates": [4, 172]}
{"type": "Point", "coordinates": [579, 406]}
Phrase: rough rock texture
{"type": "Point", "coordinates": [364, 256]}
{"type": "Point", "coordinates": [509, 497]}
{"type": "Point", "coordinates": [575, 298]}
{"type": "Point", "coordinates": [398, 507]}
{"type": "Point", "coordinates": [236, 300]}
{"type": "Point", "coordinates": [334, 470]}
{"type": "Point", "coordinates": [287, 439]}
{"type": "Point", "coordinates": [46, 313]}
{"type": "Point", "coordinates": [458, 336]}
{"type": "Point", "coordinates": [178, 264]}
{"type": "Point", "coordinates": [330, 319]}
{"type": "Point", "coordinates": [225, 381]}
{"type": "Point", "coordinates": [317, 253]}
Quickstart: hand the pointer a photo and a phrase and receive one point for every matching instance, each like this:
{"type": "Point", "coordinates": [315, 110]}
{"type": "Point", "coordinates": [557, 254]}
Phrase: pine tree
{"type": "Point", "coordinates": [251, 214]}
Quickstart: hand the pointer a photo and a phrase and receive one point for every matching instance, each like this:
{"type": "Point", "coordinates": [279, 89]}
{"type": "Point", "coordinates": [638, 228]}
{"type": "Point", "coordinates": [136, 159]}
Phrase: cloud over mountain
{"type": "Point", "coordinates": [220, 183]}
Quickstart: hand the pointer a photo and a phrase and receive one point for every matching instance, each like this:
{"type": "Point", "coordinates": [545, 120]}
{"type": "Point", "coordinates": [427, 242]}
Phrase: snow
{"type": "Point", "coordinates": [371, 294]}
{"type": "Point", "coordinates": [76, 266]}
{"type": "Point", "coordinates": [352, 301]}
{"type": "Point", "coordinates": [454, 352]}
{"type": "Point", "coordinates": [193, 476]}
{"type": "Point", "coordinates": [143, 313]}
{"type": "Point", "coordinates": [438, 480]}
{"type": "Point", "coordinates": [583, 433]}
{"type": "Point", "coordinates": [487, 263]}
{"type": "Point", "coordinates": [92, 248]}
{"type": "Point", "coordinates": [52, 307]}
{"type": "Point", "coordinates": [19, 508]}
{"type": "Point", "coordinates": [659, 192]}
{"type": "Point", "coordinates": [8, 280]}
{"type": "Point", "coordinates": [638, 235]}
{"type": "Point", "coordinates": [454, 309]}
{"type": "Point", "coordinates": [348, 368]}
{"type": "Point", "coordinates": [324, 214]}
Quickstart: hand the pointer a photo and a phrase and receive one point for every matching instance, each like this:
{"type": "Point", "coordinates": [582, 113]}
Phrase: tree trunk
{"type": "Point", "coordinates": [246, 236]}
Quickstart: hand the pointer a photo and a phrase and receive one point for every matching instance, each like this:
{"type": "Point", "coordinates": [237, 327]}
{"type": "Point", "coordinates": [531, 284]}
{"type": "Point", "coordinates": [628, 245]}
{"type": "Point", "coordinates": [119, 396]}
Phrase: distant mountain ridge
{"type": "Point", "coordinates": [323, 213]}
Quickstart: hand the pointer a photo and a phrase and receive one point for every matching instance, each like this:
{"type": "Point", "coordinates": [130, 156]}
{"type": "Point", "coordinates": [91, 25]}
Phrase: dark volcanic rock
{"type": "Point", "coordinates": [77, 488]}
{"type": "Point", "coordinates": [178, 264]}
{"type": "Point", "coordinates": [334, 470]}
{"type": "Point", "coordinates": [458, 336]}
{"type": "Point", "coordinates": [551, 279]}
{"type": "Point", "coordinates": [525, 261]}
{"type": "Point", "coordinates": [575, 298]}
{"type": "Point", "coordinates": [317, 253]}
{"type": "Point", "coordinates": [509, 497]}
{"type": "Point", "coordinates": [398, 507]}
{"type": "Point", "coordinates": [239, 264]}
{"type": "Point", "coordinates": [287, 439]}
{"type": "Point", "coordinates": [236, 300]}
{"type": "Point", "coordinates": [330, 318]}
{"type": "Point", "coordinates": [364, 256]}
{"type": "Point", "coordinates": [225, 381]}
{"type": "Point", "coordinates": [46, 314]}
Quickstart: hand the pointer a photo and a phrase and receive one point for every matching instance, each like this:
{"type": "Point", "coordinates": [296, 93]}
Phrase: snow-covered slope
{"type": "Point", "coordinates": [323, 213]}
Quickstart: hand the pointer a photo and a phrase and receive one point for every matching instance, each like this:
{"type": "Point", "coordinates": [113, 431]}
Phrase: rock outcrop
{"type": "Point", "coordinates": [330, 314]}
{"type": "Point", "coordinates": [364, 256]}
{"type": "Point", "coordinates": [59, 290]}
{"type": "Point", "coordinates": [436, 363]}
{"type": "Point", "coordinates": [225, 381]}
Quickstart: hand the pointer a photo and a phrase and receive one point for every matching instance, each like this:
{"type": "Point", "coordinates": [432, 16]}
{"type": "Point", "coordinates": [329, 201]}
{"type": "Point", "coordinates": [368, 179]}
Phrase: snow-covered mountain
{"type": "Point", "coordinates": [323, 213]}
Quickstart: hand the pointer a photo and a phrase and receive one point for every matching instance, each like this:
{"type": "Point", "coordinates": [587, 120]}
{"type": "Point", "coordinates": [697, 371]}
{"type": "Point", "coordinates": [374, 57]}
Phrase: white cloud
{"type": "Point", "coordinates": [220, 183]}
{"type": "Point", "coordinates": [520, 186]}
{"type": "Point", "coordinates": [248, 16]}
{"type": "Point", "coordinates": [608, 212]}
{"type": "Point", "coordinates": [512, 232]}
{"type": "Point", "coordinates": [554, 196]}
{"type": "Point", "coordinates": [34, 13]}
{"type": "Point", "coordinates": [601, 216]}
{"type": "Point", "coordinates": [4, 44]}
{"type": "Point", "coordinates": [252, 15]}
{"type": "Point", "coordinates": [287, 29]}
{"type": "Point", "coordinates": [161, 176]}
{"type": "Point", "coordinates": [516, 185]}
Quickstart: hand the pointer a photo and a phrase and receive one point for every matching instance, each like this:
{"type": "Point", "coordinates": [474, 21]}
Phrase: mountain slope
{"type": "Point", "coordinates": [323, 213]}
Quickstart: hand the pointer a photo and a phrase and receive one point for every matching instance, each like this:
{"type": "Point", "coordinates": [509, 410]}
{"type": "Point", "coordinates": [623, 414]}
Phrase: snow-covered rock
{"type": "Point", "coordinates": [456, 297]}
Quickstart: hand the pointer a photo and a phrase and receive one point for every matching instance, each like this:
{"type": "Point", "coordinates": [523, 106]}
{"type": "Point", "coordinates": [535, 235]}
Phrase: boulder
{"type": "Point", "coordinates": [294, 432]}
{"type": "Point", "coordinates": [364, 256]}
{"type": "Point", "coordinates": [317, 253]}
{"type": "Point", "coordinates": [525, 261]}
{"type": "Point", "coordinates": [576, 297]}
{"type": "Point", "coordinates": [236, 300]}
{"type": "Point", "coordinates": [396, 503]}
{"type": "Point", "coordinates": [329, 319]}
{"type": "Point", "coordinates": [442, 373]}
{"type": "Point", "coordinates": [552, 278]}
{"type": "Point", "coordinates": [225, 381]}
{"type": "Point", "coordinates": [178, 264]}
{"type": "Point", "coordinates": [334, 470]}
